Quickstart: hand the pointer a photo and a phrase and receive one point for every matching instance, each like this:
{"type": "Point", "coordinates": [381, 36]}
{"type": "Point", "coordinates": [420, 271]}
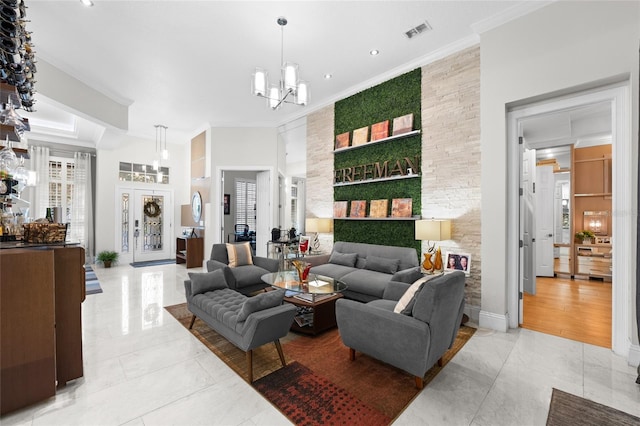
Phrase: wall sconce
{"type": "Point", "coordinates": [433, 230]}
{"type": "Point", "coordinates": [317, 225]}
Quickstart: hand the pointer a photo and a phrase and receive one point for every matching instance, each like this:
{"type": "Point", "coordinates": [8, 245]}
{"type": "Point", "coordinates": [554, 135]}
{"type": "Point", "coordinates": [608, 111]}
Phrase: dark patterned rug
{"type": "Point", "coordinates": [567, 409]}
{"type": "Point", "coordinates": [320, 385]}
{"type": "Point", "coordinates": [91, 282]}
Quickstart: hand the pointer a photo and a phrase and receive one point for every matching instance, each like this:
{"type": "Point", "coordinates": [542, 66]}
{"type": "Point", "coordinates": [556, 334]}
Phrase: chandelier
{"type": "Point", "coordinates": [161, 145]}
{"type": "Point", "coordinates": [289, 85]}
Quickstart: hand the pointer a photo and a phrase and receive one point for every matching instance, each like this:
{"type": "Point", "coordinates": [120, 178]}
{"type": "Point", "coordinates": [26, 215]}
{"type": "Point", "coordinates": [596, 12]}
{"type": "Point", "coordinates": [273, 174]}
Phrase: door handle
{"type": "Point", "coordinates": [550, 235]}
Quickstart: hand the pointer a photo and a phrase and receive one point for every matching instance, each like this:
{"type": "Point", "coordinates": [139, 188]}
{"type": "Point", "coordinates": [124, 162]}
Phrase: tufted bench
{"type": "Point", "coordinates": [247, 322]}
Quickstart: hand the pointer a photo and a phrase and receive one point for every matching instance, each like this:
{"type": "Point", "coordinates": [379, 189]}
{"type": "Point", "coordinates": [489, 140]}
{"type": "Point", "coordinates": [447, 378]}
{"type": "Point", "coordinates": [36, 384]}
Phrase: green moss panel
{"type": "Point", "coordinates": [386, 101]}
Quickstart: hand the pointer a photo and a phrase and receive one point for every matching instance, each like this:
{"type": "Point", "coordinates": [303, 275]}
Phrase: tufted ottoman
{"type": "Point", "coordinates": [247, 322]}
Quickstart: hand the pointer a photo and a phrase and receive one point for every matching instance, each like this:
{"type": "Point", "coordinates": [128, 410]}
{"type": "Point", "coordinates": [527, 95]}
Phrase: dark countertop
{"type": "Point", "coordinates": [20, 244]}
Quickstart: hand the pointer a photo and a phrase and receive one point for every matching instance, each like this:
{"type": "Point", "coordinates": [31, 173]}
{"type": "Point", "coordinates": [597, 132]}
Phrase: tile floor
{"type": "Point", "coordinates": [143, 368]}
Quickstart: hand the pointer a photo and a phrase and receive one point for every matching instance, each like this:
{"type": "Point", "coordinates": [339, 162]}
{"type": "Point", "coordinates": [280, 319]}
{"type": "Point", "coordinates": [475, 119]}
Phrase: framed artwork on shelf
{"type": "Point", "coordinates": [403, 124]}
{"type": "Point", "coordinates": [457, 262]}
{"type": "Point", "coordinates": [380, 130]}
{"type": "Point", "coordinates": [401, 207]}
{"type": "Point", "coordinates": [378, 208]}
{"type": "Point", "coordinates": [342, 140]}
{"type": "Point", "coordinates": [340, 208]}
{"type": "Point", "coordinates": [360, 136]}
{"type": "Point", "coordinates": [358, 208]}
{"type": "Point", "coordinates": [227, 203]}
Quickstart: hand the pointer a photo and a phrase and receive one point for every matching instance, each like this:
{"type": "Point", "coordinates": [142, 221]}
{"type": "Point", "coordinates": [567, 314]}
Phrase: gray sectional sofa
{"type": "Point", "coordinates": [367, 269]}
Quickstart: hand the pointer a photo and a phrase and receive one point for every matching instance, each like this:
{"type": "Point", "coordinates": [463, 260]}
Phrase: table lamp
{"type": "Point", "coordinates": [433, 230]}
{"type": "Point", "coordinates": [317, 225]}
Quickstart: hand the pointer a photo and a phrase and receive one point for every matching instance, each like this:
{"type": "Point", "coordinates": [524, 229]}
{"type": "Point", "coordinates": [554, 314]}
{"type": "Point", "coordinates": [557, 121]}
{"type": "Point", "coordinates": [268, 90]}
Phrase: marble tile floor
{"type": "Point", "coordinates": [143, 368]}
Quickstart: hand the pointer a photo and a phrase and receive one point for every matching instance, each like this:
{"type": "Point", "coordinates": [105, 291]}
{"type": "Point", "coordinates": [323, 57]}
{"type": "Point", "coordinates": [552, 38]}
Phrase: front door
{"type": "Point", "coordinates": [145, 224]}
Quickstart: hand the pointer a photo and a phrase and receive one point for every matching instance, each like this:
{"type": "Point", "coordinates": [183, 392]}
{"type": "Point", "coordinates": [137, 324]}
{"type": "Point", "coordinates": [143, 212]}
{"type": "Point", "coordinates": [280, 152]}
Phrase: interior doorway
{"type": "Point", "coordinates": [616, 97]}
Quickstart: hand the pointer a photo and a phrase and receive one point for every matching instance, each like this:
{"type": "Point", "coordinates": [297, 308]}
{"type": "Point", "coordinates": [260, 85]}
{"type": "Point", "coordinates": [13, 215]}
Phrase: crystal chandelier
{"type": "Point", "coordinates": [289, 85]}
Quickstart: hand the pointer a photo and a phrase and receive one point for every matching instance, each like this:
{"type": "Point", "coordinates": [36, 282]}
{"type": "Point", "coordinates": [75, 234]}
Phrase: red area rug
{"type": "Point", "coordinates": [308, 399]}
{"type": "Point", "coordinates": [320, 385]}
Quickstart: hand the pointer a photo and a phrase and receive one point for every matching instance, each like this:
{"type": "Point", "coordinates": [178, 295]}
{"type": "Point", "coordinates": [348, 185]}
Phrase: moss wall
{"type": "Point", "coordinates": [386, 101]}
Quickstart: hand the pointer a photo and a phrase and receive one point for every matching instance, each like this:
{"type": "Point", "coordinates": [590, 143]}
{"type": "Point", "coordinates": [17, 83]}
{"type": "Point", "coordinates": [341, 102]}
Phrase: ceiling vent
{"type": "Point", "coordinates": [415, 31]}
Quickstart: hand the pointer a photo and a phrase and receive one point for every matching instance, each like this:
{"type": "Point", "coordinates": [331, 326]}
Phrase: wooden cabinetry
{"type": "Point", "coordinates": [190, 251]}
{"type": "Point", "coordinates": [41, 329]}
{"type": "Point", "coordinates": [591, 183]}
{"type": "Point", "coordinates": [593, 260]}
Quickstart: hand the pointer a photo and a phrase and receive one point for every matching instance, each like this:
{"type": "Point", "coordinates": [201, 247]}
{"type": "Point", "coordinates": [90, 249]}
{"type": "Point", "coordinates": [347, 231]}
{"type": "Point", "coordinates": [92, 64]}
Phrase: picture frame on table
{"type": "Point", "coordinates": [457, 261]}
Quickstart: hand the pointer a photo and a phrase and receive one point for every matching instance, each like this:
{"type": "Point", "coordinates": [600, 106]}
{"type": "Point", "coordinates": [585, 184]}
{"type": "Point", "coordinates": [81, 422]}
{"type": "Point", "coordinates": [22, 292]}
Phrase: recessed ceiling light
{"type": "Point", "coordinates": [374, 52]}
{"type": "Point", "coordinates": [328, 76]}
{"type": "Point", "coordinates": [87, 3]}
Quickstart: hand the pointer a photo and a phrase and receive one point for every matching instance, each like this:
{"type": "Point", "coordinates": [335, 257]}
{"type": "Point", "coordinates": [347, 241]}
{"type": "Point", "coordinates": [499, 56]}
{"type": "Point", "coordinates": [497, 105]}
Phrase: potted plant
{"type": "Point", "coordinates": [107, 257]}
{"type": "Point", "coordinates": [585, 236]}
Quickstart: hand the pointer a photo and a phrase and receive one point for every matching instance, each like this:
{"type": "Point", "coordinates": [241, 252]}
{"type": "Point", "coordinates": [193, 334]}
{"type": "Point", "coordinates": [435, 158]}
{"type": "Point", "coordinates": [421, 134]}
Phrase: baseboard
{"type": "Point", "coordinates": [494, 321]}
{"type": "Point", "coordinates": [634, 355]}
{"type": "Point", "coordinates": [473, 312]}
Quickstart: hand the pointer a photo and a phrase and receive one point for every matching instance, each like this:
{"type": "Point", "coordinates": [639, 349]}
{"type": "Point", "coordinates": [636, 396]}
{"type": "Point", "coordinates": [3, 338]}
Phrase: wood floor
{"type": "Point", "coordinates": [575, 309]}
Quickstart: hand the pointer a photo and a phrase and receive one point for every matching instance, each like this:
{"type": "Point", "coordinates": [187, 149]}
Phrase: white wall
{"type": "Point", "coordinates": [240, 149]}
{"type": "Point", "coordinates": [135, 150]}
{"type": "Point", "coordinates": [563, 45]}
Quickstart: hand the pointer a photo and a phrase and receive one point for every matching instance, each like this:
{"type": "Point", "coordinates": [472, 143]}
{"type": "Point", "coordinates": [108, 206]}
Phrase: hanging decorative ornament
{"type": "Point", "coordinates": [152, 209]}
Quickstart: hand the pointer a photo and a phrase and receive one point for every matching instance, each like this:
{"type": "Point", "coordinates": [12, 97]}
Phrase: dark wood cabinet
{"type": "Point", "coordinates": [190, 251]}
{"type": "Point", "coordinates": [41, 291]}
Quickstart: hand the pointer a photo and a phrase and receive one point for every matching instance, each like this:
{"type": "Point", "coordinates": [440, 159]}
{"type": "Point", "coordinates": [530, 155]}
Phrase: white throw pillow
{"type": "Point", "coordinates": [408, 298]}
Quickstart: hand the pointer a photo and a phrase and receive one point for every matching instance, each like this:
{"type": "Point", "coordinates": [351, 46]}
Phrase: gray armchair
{"type": "Point", "coordinates": [413, 343]}
{"type": "Point", "coordinates": [244, 279]}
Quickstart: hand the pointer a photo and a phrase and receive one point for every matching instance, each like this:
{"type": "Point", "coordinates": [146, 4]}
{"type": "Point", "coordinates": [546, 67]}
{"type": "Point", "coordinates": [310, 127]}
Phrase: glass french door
{"type": "Point", "coordinates": [145, 222]}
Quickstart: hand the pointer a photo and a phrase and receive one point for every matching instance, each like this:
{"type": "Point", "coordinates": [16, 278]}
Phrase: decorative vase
{"type": "Point", "coordinates": [107, 263]}
{"type": "Point", "coordinates": [437, 264]}
{"type": "Point", "coordinates": [427, 265]}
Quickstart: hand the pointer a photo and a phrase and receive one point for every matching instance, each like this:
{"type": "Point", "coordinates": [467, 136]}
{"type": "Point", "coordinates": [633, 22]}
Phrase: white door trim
{"type": "Point", "coordinates": [623, 204]}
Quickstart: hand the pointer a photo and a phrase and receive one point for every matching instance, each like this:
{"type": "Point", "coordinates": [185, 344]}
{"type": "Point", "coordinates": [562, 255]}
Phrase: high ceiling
{"type": "Point", "coordinates": [188, 64]}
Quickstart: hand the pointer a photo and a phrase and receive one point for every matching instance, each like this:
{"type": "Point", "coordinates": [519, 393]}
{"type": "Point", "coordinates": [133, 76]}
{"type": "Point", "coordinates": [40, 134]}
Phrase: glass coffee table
{"type": "Point", "coordinates": [315, 301]}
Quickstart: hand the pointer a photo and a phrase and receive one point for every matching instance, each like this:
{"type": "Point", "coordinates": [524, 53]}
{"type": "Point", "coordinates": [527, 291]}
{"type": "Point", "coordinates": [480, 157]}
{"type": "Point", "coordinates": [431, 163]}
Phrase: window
{"type": "Point", "coordinates": [61, 175]}
{"type": "Point", "coordinates": [133, 172]}
{"type": "Point", "coordinates": [246, 203]}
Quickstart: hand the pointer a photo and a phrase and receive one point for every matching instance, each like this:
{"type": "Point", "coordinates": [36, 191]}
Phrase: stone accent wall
{"type": "Point", "coordinates": [451, 156]}
{"type": "Point", "coordinates": [319, 185]}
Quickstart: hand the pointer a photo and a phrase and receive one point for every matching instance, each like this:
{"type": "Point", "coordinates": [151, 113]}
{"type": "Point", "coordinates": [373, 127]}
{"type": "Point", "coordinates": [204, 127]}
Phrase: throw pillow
{"type": "Point", "coordinates": [207, 281]}
{"type": "Point", "coordinates": [381, 264]}
{"type": "Point", "coordinates": [345, 259]}
{"type": "Point", "coordinates": [260, 302]}
{"type": "Point", "coordinates": [239, 255]}
{"type": "Point", "coordinates": [408, 299]}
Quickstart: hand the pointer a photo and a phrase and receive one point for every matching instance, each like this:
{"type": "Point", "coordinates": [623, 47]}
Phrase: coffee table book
{"type": "Point", "coordinates": [403, 124]}
{"type": "Point", "coordinates": [358, 208]}
{"type": "Point", "coordinates": [360, 136]}
{"type": "Point", "coordinates": [342, 140]}
{"type": "Point", "coordinates": [378, 208]}
{"type": "Point", "coordinates": [340, 208]}
{"type": "Point", "coordinates": [380, 130]}
{"type": "Point", "coordinates": [401, 207]}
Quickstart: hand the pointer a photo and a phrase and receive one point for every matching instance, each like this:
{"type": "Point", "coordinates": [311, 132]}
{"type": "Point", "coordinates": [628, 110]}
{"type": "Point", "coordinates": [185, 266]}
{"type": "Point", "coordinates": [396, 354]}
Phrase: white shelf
{"type": "Point", "coordinates": [387, 139]}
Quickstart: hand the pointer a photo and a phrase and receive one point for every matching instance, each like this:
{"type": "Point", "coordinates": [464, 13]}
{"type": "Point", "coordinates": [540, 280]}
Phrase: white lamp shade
{"type": "Point", "coordinates": [290, 76]}
{"type": "Point", "coordinates": [433, 229]}
{"type": "Point", "coordinates": [274, 97]}
{"type": "Point", "coordinates": [302, 95]}
{"type": "Point", "coordinates": [259, 82]}
{"type": "Point", "coordinates": [165, 154]}
{"type": "Point", "coordinates": [318, 225]}
{"type": "Point", "coordinates": [155, 164]}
